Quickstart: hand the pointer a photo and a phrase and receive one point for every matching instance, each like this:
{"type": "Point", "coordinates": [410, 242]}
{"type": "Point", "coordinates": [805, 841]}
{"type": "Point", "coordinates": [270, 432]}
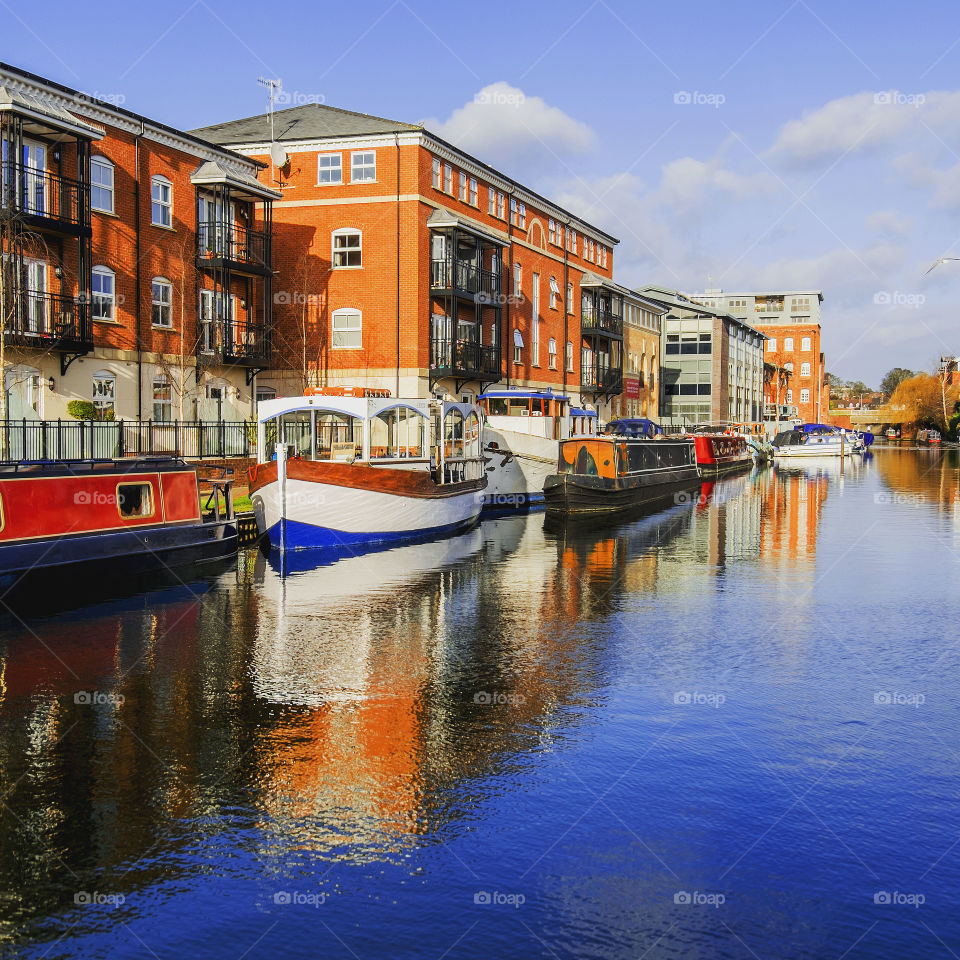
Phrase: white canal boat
{"type": "Point", "coordinates": [821, 441]}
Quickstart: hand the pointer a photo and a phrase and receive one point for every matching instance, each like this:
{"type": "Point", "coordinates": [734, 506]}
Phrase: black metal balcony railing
{"type": "Point", "coordinates": [600, 378]}
{"type": "Point", "coordinates": [233, 242]}
{"type": "Point", "coordinates": [454, 274]}
{"type": "Point", "coordinates": [602, 321]}
{"type": "Point", "coordinates": [466, 357]}
{"type": "Point", "coordinates": [245, 342]}
{"type": "Point", "coordinates": [27, 191]}
{"type": "Point", "coordinates": [39, 318]}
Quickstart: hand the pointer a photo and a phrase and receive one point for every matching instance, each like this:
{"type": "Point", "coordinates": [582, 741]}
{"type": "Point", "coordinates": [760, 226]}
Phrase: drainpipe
{"type": "Point", "coordinates": [509, 332]}
{"type": "Point", "coordinates": [566, 314]}
{"type": "Point", "coordinates": [397, 141]}
{"type": "Point", "coordinates": [137, 296]}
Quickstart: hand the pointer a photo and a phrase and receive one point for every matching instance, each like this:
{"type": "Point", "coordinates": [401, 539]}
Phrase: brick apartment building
{"type": "Point", "coordinates": [643, 320]}
{"type": "Point", "coordinates": [406, 264]}
{"type": "Point", "coordinates": [791, 322]}
{"type": "Point", "coordinates": [137, 262]}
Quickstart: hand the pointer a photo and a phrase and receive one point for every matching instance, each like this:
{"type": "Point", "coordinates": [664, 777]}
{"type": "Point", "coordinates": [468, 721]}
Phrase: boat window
{"type": "Point", "coordinates": [270, 438]}
{"type": "Point", "coordinates": [397, 433]}
{"type": "Point", "coordinates": [295, 431]}
{"type": "Point", "coordinates": [472, 435]}
{"type": "Point", "coordinates": [496, 406]}
{"type": "Point", "coordinates": [586, 465]}
{"type": "Point", "coordinates": [134, 500]}
{"type": "Point", "coordinates": [338, 436]}
{"type": "Point", "coordinates": [453, 429]}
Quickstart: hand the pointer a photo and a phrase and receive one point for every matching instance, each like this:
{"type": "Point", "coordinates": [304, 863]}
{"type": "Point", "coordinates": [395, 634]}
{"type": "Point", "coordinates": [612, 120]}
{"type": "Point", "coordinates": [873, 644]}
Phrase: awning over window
{"type": "Point", "coordinates": [517, 338]}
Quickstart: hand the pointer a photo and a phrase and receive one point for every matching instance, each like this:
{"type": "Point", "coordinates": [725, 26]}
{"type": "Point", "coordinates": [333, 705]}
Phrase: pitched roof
{"type": "Point", "coordinates": [309, 121]}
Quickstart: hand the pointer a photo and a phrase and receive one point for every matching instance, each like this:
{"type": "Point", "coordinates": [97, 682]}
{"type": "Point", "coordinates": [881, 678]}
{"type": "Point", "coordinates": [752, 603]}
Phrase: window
{"type": "Point", "coordinates": [772, 345]}
{"type": "Point", "coordinates": [522, 214]}
{"type": "Point", "coordinates": [437, 174]}
{"type": "Point", "coordinates": [162, 399]}
{"type": "Point", "coordinates": [517, 347]}
{"type": "Point", "coordinates": [463, 187]}
{"type": "Point", "coordinates": [329, 168]}
{"type": "Point", "coordinates": [161, 202]}
{"type": "Point", "coordinates": [552, 231]}
{"type": "Point", "coordinates": [347, 329]}
{"type": "Point", "coordinates": [805, 344]}
{"type": "Point", "coordinates": [804, 396]}
{"type": "Point", "coordinates": [502, 206]}
{"type": "Point", "coordinates": [570, 356]}
{"type": "Point", "coordinates": [554, 294]}
{"type": "Point", "coordinates": [101, 184]}
{"type": "Point", "coordinates": [162, 302]}
{"type": "Point", "coordinates": [517, 279]}
{"type": "Point", "coordinates": [788, 344]}
{"type": "Point", "coordinates": [363, 166]}
{"type": "Point", "coordinates": [447, 178]}
{"type": "Point", "coordinates": [804, 369]}
{"type": "Point", "coordinates": [491, 201]}
{"type": "Point", "coordinates": [103, 289]}
{"type": "Point", "coordinates": [572, 240]}
{"type": "Point", "coordinates": [134, 500]}
{"type": "Point", "coordinates": [536, 320]}
{"type": "Point", "coordinates": [474, 193]}
{"type": "Point", "coordinates": [552, 353]}
{"type": "Point", "coordinates": [569, 298]}
{"type": "Point", "coordinates": [347, 249]}
{"type": "Point", "coordinates": [788, 367]}
{"type": "Point", "coordinates": [513, 211]}
{"type": "Point", "coordinates": [789, 396]}
{"type": "Point", "coordinates": [801, 304]}
{"type": "Point", "coordinates": [104, 394]}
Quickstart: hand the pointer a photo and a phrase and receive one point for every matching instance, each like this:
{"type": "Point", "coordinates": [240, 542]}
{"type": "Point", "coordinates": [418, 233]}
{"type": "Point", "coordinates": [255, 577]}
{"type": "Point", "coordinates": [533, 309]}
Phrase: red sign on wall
{"type": "Point", "coordinates": [631, 386]}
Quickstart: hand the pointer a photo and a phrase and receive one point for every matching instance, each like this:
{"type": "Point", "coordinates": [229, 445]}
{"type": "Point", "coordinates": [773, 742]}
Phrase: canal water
{"type": "Point", "coordinates": [726, 730]}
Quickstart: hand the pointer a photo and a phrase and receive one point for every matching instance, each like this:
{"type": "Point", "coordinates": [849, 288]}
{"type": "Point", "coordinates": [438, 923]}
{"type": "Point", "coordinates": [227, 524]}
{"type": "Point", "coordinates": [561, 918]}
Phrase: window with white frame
{"type": "Point", "coordinates": [161, 202]}
{"type": "Point", "coordinates": [552, 353]}
{"type": "Point", "coordinates": [772, 345]}
{"type": "Point", "coordinates": [789, 396]}
{"type": "Point", "coordinates": [437, 174]}
{"type": "Point", "coordinates": [571, 240]}
{"type": "Point", "coordinates": [491, 201]}
{"type": "Point", "coordinates": [347, 329]}
{"type": "Point", "coordinates": [804, 369]}
{"type": "Point", "coordinates": [517, 346]}
{"type": "Point", "coordinates": [462, 194]}
{"type": "Point", "coordinates": [513, 211]}
{"type": "Point", "coordinates": [522, 215]}
{"type": "Point", "coordinates": [570, 356]}
{"type": "Point", "coordinates": [552, 231]}
{"type": "Point", "coordinates": [162, 399]}
{"type": "Point", "coordinates": [517, 278]}
{"type": "Point", "coordinates": [804, 396]}
{"type": "Point", "coordinates": [363, 166]}
{"type": "Point", "coordinates": [788, 344]}
{"type": "Point", "coordinates": [502, 206]}
{"type": "Point", "coordinates": [105, 394]}
{"type": "Point", "coordinates": [103, 289]}
{"type": "Point", "coordinates": [447, 178]}
{"type": "Point", "coordinates": [474, 193]}
{"type": "Point", "coordinates": [805, 344]}
{"type": "Point", "coordinates": [569, 298]}
{"type": "Point", "coordinates": [329, 168]}
{"type": "Point", "coordinates": [535, 339]}
{"type": "Point", "coordinates": [554, 294]}
{"type": "Point", "coordinates": [801, 304]}
{"type": "Point", "coordinates": [101, 184]}
{"type": "Point", "coordinates": [162, 307]}
{"type": "Point", "coordinates": [347, 251]}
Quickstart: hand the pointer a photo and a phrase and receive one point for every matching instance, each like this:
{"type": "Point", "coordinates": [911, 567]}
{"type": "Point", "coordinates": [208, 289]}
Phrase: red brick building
{"type": "Point", "coordinates": [137, 262]}
{"type": "Point", "coordinates": [407, 264]}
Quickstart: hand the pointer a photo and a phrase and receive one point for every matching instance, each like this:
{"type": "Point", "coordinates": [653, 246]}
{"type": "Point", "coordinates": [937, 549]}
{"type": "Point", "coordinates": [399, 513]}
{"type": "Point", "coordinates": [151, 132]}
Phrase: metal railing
{"type": "Point", "coordinates": [115, 439]}
{"type": "Point", "coordinates": [465, 356]}
{"type": "Point", "coordinates": [244, 342]}
{"type": "Point", "coordinates": [40, 193]}
{"type": "Point", "coordinates": [230, 241]}
{"type": "Point", "coordinates": [41, 316]}
{"type": "Point", "coordinates": [600, 378]}
{"type": "Point", "coordinates": [603, 321]}
{"type": "Point", "coordinates": [451, 273]}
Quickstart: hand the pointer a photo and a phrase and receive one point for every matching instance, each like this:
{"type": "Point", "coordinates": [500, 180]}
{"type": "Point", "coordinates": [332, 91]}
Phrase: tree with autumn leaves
{"type": "Point", "coordinates": [928, 400]}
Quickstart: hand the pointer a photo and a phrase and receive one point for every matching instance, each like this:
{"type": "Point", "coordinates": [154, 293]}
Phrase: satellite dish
{"type": "Point", "coordinates": [278, 155]}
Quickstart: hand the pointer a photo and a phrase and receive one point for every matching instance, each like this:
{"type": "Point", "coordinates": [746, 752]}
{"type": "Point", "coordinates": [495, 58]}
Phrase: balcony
{"type": "Point", "coordinates": [44, 200]}
{"type": "Point", "coordinates": [595, 320]}
{"type": "Point", "coordinates": [48, 320]}
{"type": "Point", "coordinates": [600, 379]}
{"type": "Point", "coordinates": [241, 342]}
{"type": "Point", "coordinates": [243, 249]}
{"type": "Point", "coordinates": [464, 359]}
{"type": "Point", "coordinates": [464, 276]}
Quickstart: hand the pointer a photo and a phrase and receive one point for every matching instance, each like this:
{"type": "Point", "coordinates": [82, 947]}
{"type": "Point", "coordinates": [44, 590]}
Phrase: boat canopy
{"type": "Point", "coordinates": [578, 412]}
{"type": "Point", "coordinates": [523, 394]}
{"type": "Point", "coordinates": [364, 407]}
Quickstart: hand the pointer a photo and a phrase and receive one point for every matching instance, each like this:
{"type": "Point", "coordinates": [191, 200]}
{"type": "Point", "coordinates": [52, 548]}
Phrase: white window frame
{"type": "Point", "coordinates": [363, 166]}
{"type": "Point", "coordinates": [569, 356]}
{"type": "Point", "coordinates": [522, 213]}
{"type": "Point", "coordinates": [535, 333]}
{"type": "Point", "coordinates": [102, 163]}
{"type": "Point", "coordinates": [338, 169]}
{"type": "Point", "coordinates": [346, 232]}
{"type": "Point", "coordinates": [804, 396]}
{"type": "Point", "coordinates": [358, 328]}
{"type": "Point", "coordinates": [164, 206]}
{"type": "Point", "coordinates": [448, 179]}
{"type": "Point", "coordinates": [517, 278]}
{"type": "Point", "coordinates": [569, 303]}
{"type": "Point", "coordinates": [162, 380]}
{"type": "Point", "coordinates": [474, 193]}
{"type": "Point", "coordinates": [554, 293]}
{"type": "Point", "coordinates": [513, 210]}
{"type": "Point", "coordinates": [463, 186]}
{"type": "Point", "coordinates": [101, 298]}
{"type": "Point", "coordinates": [552, 231]}
{"type": "Point", "coordinates": [772, 345]}
{"type": "Point", "coordinates": [552, 353]}
{"type": "Point", "coordinates": [108, 397]}
{"type": "Point", "coordinates": [491, 201]}
{"type": "Point", "coordinates": [437, 174]}
{"type": "Point", "coordinates": [166, 286]}
{"type": "Point", "coordinates": [805, 346]}
{"type": "Point", "coordinates": [805, 369]}
{"type": "Point", "coordinates": [788, 344]}
{"type": "Point", "coordinates": [501, 205]}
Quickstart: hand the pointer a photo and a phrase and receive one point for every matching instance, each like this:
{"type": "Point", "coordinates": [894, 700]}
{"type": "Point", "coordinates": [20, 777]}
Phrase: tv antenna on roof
{"type": "Point", "coordinates": [278, 155]}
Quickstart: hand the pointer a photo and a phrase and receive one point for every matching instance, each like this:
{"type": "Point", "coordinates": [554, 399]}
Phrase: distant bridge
{"type": "Point", "coordinates": [893, 416]}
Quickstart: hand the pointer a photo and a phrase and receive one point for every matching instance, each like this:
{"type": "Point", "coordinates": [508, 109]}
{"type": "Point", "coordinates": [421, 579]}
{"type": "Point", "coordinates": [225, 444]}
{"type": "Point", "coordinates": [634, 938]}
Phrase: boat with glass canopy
{"type": "Point", "coordinates": [345, 468]}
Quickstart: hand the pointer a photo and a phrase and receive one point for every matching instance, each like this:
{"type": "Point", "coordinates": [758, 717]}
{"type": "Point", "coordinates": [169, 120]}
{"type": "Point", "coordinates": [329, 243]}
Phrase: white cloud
{"type": "Point", "coordinates": [502, 125]}
{"type": "Point", "coordinates": [887, 223]}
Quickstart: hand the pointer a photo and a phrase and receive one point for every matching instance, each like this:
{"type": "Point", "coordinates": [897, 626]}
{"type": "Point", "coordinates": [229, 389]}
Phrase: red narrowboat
{"type": "Point", "coordinates": [719, 453]}
{"type": "Point", "coordinates": [103, 520]}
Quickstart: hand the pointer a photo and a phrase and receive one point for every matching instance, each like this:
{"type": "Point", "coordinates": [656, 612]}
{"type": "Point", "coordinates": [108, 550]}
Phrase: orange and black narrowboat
{"type": "Point", "coordinates": [103, 520]}
{"type": "Point", "coordinates": [719, 453]}
{"type": "Point", "coordinates": [607, 474]}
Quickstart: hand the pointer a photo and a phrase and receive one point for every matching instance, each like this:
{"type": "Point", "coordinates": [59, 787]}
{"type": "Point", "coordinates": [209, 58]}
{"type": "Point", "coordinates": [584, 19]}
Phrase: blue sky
{"type": "Point", "coordinates": [820, 146]}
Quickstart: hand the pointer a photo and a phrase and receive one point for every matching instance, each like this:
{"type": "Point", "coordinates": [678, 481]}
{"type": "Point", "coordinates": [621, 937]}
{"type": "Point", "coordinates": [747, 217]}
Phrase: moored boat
{"type": "Point", "coordinates": [348, 470]}
{"type": "Point", "coordinates": [608, 474]}
{"type": "Point", "coordinates": [821, 442]}
{"type": "Point", "coordinates": [104, 521]}
{"type": "Point", "coordinates": [720, 453]}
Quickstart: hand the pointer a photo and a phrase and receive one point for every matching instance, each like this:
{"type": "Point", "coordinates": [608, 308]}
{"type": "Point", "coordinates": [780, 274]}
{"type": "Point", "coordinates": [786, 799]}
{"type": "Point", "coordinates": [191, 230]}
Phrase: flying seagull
{"type": "Point", "coordinates": [938, 261]}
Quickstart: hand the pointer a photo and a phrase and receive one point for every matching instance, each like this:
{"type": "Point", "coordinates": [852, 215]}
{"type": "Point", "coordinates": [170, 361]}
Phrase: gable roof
{"type": "Point", "coordinates": [309, 121]}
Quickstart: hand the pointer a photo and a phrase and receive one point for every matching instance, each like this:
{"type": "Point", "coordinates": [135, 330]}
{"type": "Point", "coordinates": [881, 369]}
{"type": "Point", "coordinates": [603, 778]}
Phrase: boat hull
{"type": "Point", "coordinates": [580, 496]}
{"type": "Point", "coordinates": [719, 454]}
{"type": "Point", "coordinates": [517, 466]}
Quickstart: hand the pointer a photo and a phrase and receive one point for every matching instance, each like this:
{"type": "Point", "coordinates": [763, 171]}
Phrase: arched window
{"type": "Point", "coordinates": [161, 202]}
{"type": "Point", "coordinates": [101, 184]}
{"type": "Point", "coordinates": [105, 394]}
{"type": "Point", "coordinates": [346, 248]}
{"type": "Point", "coordinates": [347, 329]}
{"type": "Point", "coordinates": [104, 291]}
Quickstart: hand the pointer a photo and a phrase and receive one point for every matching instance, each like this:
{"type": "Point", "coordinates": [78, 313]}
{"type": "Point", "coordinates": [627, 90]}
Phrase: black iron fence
{"type": "Point", "coordinates": [453, 273]}
{"type": "Point", "coordinates": [41, 193]}
{"type": "Point", "coordinates": [114, 439]}
{"type": "Point", "coordinates": [465, 356]}
{"type": "Point", "coordinates": [230, 241]}
{"type": "Point", "coordinates": [39, 316]}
